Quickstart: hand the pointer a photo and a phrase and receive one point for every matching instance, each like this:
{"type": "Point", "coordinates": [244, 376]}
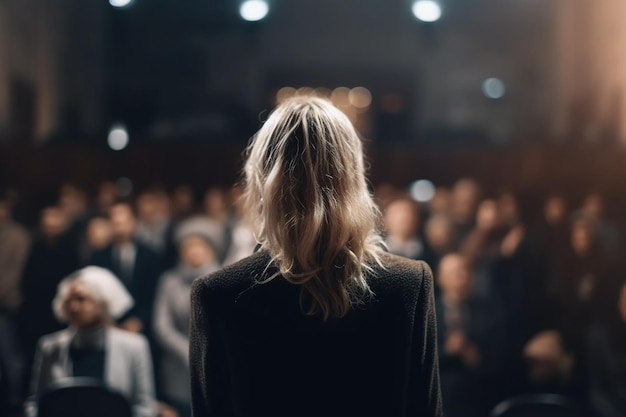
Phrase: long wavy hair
{"type": "Point", "coordinates": [307, 198]}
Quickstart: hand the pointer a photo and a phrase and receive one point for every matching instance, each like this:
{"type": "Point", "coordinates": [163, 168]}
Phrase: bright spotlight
{"type": "Point", "coordinates": [254, 10]}
{"type": "Point", "coordinates": [422, 191]}
{"type": "Point", "coordinates": [494, 88]}
{"type": "Point", "coordinates": [427, 10]}
{"type": "Point", "coordinates": [118, 138]}
{"type": "Point", "coordinates": [120, 3]}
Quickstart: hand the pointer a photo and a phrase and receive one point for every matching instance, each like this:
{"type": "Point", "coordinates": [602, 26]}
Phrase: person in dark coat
{"type": "Point", "coordinates": [137, 266]}
{"type": "Point", "coordinates": [473, 342]}
{"type": "Point", "coordinates": [52, 257]}
{"type": "Point", "coordinates": [320, 321]}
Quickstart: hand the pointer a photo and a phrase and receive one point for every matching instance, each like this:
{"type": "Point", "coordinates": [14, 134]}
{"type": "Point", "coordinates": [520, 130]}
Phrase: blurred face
{"type": "Point", "coordinates": [546, 359]}
{"type": "Point", "coordinates": [107, 193]}
{"type": "Point", "coordinates": [508, 208]}
{"type": "Point", "coordinates": [99, 233]}
{"type": "Point", "coordinates": [53, 223]}
{"type": "Point", "coordinates": [594, 206]}
{"type": "Point", "coordinates": [81, 309]}
{"type": "Point", "coordinates": [555, 210]}
{"type": "Point", "coordinates": [401, 219]}
{"type": "Point", "coordinates": [439, 234]}
{"type": "Point", "coordinates": [215, 203]}
{"type": "Point", "coordinates": [196, 252]}
{"type": "Point", "coordinates": [182, 199]}
{"type": "Point", "coordinates": [488, 216]}
{"type": "Point", "coordinates": [465, 196]}
{"type": "Point", "coordinates": [440, 204]}
{"type": "Point", "coordinates": [72, 201]}
{"type": "Point", "coordinates": [122, 223]}
{"type": "Point", "coordinates": [147, 207]}
{"type": "Point", "coordinates": [582, 238]}
{"type": "Point", "coordinates": [455, 278]}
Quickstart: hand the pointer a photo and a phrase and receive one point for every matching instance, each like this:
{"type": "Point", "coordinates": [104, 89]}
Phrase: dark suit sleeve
{"type": "Point", "coordinates": [424, 388]}
{"type": "Point", "coordinates": [208, 359]}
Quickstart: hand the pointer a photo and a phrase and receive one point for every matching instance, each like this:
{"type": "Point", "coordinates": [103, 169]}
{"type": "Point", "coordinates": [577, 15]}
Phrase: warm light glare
{"type": "Point", "coordinates": [285, 93]}
{"type": "Point", "coordinates": [340, 96]}
{"type": "Point", "coordinates": [120, 3]}
{"type": "Point", "coordinates": [254, 10]}
{"type": "Point", "coordinates": [118, 138]}
{"type": "Point", "coordinates": [494, 88]}
{"type": "Point", "coordinates": [360, 97]}
{"type": "Point", "coordinates": [422, 191]}
{"type": "Point", "coordinates": [427, 10]}
{"type": "Point", "coordinates": [305, 91]}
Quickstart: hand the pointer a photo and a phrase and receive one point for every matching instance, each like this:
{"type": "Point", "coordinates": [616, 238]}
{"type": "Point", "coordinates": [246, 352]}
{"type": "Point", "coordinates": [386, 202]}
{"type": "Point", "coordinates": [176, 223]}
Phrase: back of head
{"type": "Point", "coordinates": [308, 201]}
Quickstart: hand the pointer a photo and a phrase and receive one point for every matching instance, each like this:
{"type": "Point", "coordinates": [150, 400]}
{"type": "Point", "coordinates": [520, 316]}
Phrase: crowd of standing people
{"type": "Point", "coordinates": [526, 301]}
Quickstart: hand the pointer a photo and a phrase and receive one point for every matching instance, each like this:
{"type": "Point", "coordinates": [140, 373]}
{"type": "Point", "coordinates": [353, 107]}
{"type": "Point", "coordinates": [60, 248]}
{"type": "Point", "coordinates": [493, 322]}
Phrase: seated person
{"type": "Point", "coordinates": [89, 301]}
{"type": "Point", "coordinates": [554, 367]}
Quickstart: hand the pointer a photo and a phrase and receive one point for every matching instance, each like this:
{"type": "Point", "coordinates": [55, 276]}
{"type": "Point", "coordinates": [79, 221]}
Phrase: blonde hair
{"type": "Point", "coordinates": [307, 198]}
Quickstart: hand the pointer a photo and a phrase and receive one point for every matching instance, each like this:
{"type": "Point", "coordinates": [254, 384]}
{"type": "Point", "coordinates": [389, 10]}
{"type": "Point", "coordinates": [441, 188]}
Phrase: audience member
{"type": "Point", "coordinates": [106, 197]}
{"type": "Point", "coordinates": [183, 203]}
{"type": "Point", "coordinates": [464, 202]}
{"type": "Point", "coordinates": [171, 318]}
{"type": "Point", "coordinates": [607, 231]}
{"type": "Point", "coordinates": [137, 266]}
{"type": "Point", "coordinates": [14, 246]}
{"type": "Point", "coordinates": [52, 257]}
{"type": "Point", "coordinates": [89, 301]}
{"type": "Point", "coordinates": [402, 222]}
{"type": "Point", "coordinates": [473, 342]}
{"type": "Point", "coordinates": [551, 366]}
{"type": "Point", "coordinates": [581, 279]}
{"type": "Point", "coordinates": [439, 234]}
{"type": "Point", "coordinates": [607, 361]}
{"type": "Point", "coordinates": [242, 239]}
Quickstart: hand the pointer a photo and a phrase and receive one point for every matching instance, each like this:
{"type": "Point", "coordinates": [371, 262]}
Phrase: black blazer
{"type": "Point", "coordinates": [142, 282]}
{"type": "Point", "coordinates": [254, 353]}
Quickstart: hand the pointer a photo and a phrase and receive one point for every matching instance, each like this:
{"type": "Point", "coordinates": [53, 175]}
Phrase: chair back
{"type": "Point", "coordinates": [536, 405]}
{"type": "Point", "coordinates": [82, 397]}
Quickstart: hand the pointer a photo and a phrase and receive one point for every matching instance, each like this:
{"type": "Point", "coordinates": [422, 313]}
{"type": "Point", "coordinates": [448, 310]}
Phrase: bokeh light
{"type": "Point", "coordinates": [422, 191]}
{"type": "Point", "coordinates": [254, 10]}
{"type": "Point", "coordinates": [427, 10]}
{"type": "Point", "coordinates": [494, 88]}
{"type": "Point", "coordinates": [118, 138]}
{"type": "Point", "coordinates": [360, 97]}
{"type": "Point", "coordinates": [120, 3]}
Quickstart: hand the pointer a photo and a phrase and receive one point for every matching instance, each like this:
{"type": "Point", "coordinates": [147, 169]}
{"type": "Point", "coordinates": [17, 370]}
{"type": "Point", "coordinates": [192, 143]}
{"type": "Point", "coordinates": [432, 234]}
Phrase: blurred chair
{"type": "Point", "coordinates": [81, 397]}
{"type": "Point", "coordinates": [536, 405]}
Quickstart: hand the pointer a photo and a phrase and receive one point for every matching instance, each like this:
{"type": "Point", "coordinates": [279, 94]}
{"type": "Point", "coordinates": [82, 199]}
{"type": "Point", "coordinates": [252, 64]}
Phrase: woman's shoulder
{"type": "Point", "coordinates": [397, 273]}
{"type": "Point", "coordinates": [235, 277]}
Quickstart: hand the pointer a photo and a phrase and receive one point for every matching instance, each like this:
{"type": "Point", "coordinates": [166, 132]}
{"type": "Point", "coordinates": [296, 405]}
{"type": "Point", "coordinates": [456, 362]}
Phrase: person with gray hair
{"type": "Point", "coordinates": [90, 300]}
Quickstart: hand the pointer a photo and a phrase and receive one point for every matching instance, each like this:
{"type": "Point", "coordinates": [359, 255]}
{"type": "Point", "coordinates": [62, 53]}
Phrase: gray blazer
{"type": "Point", "coordinates": [128, 368]}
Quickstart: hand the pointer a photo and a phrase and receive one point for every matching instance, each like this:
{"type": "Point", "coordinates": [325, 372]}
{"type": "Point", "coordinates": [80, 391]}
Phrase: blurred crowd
{"type": "Point", "coordinates": [528, 301]}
